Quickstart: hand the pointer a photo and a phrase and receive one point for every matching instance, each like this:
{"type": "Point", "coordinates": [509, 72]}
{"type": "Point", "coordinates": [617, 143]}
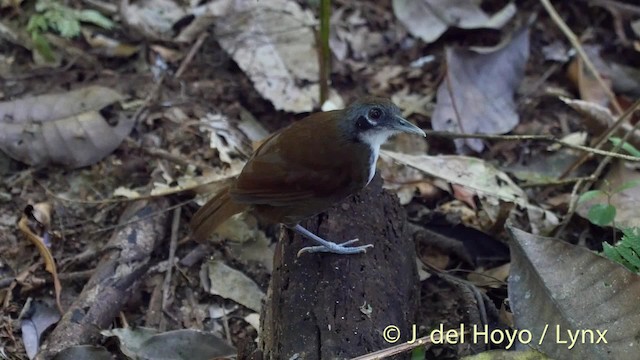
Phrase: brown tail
{"type": "Point", "coordinates": [212, 214]}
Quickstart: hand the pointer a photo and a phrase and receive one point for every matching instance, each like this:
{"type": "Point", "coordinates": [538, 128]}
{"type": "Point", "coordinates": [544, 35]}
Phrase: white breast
{"type": "Point", "coordinates": [375, 139]}
{"type": "Point", "coordinates": [373, 160]}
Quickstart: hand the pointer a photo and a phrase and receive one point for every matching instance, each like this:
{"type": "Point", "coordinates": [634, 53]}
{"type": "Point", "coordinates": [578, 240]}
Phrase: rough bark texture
{"type": "Point", "coordinates": [126, 259]}
{"type": "Point", "coordinates": [328, 306]}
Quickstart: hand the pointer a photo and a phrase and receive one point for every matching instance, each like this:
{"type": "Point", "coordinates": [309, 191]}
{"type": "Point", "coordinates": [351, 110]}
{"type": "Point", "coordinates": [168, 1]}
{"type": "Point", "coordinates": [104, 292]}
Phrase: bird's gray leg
{"type": "Point", "coordinates": [328, 246]}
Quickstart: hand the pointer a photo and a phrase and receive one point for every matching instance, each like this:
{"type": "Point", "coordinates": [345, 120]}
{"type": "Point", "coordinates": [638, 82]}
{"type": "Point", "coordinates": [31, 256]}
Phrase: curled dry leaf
{"type": "Point", "coordinates": [273, 43]}
{"type": "Point", "coordinates": [598, 118]}
{"type": "Point", "coordinates": [556, 288]}
{"type": "Point", "coordinates": [428, 19]}
{"type": "Point", "coordinates": [477, 94]}
{"type": "Point", "coordinates": [34, 224]}
{"type": "Point", "coordinates": [66, 129]}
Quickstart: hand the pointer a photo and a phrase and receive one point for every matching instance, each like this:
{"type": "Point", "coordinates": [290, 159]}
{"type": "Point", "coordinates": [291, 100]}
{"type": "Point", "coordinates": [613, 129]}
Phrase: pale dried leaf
{"type": "Point", "coordinates": [253, 320]}
{"type": "Point", "coordinates": [472, 173]}
{"type": "Point", "coordinates": [232, 284]}
{"type": "Point", "coordinates": [152, 18]}
{"type": "Point", "coordinates": [126, 192]}
{"type": "Point", "coordinates": [476, 175]}
{"type": "Point", "coordinates": [428, 19]}
{"type": "Point", "coordinates": [272, 42]}
{"type": "Point", "coordinates": [41, 317]}
{"type": "Point", "coordinates": [66, 129]}
{"type": "Point", "coordinates": [555, 286]}
{"type": "Point", "coordinates": [477, 95]}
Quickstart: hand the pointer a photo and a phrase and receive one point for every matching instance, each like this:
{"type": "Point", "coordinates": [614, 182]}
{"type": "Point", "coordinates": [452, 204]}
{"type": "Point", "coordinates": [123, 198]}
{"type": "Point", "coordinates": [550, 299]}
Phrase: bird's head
{"type": "Point", "coordinates": [372, 120]}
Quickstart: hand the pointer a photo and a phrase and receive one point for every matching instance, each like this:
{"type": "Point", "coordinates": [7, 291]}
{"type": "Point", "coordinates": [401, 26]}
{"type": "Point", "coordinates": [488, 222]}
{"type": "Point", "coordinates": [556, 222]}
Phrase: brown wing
{"type": "Point", "coordinates": [295, 165]}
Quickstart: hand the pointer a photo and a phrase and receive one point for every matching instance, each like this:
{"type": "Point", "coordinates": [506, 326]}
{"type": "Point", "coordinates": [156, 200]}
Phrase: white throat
{"type": "Point", "coordinates": [374, 139]}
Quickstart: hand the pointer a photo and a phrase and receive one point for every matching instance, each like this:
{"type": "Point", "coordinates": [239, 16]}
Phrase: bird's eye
{"type": "Point", "coordinates": [375, 114]}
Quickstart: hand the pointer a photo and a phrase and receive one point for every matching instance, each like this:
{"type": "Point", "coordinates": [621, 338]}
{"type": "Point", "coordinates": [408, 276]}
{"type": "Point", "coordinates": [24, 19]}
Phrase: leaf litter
{"type": "Point", "coordinates": [375, 52]}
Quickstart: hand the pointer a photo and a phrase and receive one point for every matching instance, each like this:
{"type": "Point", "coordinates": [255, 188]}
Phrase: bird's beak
{"type": "Point", "coordinates": [403, 125]}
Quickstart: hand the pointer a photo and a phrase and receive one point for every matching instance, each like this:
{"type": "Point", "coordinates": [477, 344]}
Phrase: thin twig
{"type": "Point", "coordinates": [548, 138]}
{"type": "Point", "coordinates": [192, 53]}
{"type": "Point", "coordinates": [166, 285]}
{"type": "Point", "coordinates": [575, 42]}
{"type": "Point", "coordinates": [558, 182]}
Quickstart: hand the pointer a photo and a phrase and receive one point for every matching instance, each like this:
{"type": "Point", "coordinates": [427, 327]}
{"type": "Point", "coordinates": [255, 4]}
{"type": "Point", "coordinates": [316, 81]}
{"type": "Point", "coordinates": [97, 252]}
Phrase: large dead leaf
{"type": "Point", "coordinates": [428, 19]}
{"type": "Point", "coordinates": [66, 129]}
{"type": "Point", "coordinates": [273, 43]}
{"type": "Point", "coordinates": [220, 279]}
{"type": "Point", "coordinates": [482, 178]}
{"type": "Point", "coordinates": [477, 94]}
{"type": "Point", "coordinates": [144, 343]}
{"type": "Point", "coordinates": [556, 287]}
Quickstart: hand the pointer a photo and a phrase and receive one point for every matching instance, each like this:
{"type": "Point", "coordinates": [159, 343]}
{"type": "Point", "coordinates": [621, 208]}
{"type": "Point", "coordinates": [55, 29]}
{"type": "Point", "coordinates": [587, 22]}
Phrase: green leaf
{"type": "Point", "coordinates": [626, 146]}
{"type": "Point", "coordinates": [67, 27]}
{"type": "Point", "coordinates": [96, 18]}
{"type": "Point", "coordinates": [41, 45]}
{"type": "Point", "coordinates": [611, 253]}
{"type": "Point", "coordinates": [602, 214]}
{"type": "Point", "coordinates": [37, 23]}
{"type": "Point", "coordinates": [590, 195]}
{"type": "Point", "coordinates": [629, 255]}
{"type": "Point", "coordinates": [631, 236]}
{"type": "Point", "coordinates": [418, 353]}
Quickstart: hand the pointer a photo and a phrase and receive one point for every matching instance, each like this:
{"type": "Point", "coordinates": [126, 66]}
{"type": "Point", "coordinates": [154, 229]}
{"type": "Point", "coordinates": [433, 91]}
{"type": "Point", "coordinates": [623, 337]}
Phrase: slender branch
{"type": "Point", "coordinates": [548, 138]}
{"type": "Point", "coordinates": [575, 42]}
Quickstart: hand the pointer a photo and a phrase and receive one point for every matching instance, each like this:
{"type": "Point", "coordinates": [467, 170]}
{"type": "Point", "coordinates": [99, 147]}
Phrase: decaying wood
{"type": "Point", "coordinates": [328, 306]}
{"type": "Point", "coordinates": [117, 276]}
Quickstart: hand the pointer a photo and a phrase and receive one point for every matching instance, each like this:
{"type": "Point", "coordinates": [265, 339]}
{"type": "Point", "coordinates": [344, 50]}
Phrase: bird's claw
{"type": "Point", "coordinates": [332, 247]}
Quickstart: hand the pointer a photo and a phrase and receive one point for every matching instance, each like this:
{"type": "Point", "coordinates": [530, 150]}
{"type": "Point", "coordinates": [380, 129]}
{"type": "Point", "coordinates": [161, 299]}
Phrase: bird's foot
{"type": "Point", "coordinates": [332, 247]}
{"type": "Point", "coordinates": [328, 246]}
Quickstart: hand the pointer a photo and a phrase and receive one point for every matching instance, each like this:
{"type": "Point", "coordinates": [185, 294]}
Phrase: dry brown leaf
{"type": "Point", "coordinates": [34, 224]}
{"type": "Point", "coordinates": [556, 287]}
{"type": "Point", "coordinates": [587, 84]}
{"type": "Point", "coordinates": [66, 129]}
{"type": "Point", "coordinates": [495, 277]}
{"type": "Point", "coordinates": [108, 46]}
{"type": "Point", "coordinates": [477, 94]}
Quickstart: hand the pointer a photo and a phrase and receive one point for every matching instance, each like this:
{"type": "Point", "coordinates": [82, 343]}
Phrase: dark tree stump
{"type": "Point", "coordinates": [328, 306]}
